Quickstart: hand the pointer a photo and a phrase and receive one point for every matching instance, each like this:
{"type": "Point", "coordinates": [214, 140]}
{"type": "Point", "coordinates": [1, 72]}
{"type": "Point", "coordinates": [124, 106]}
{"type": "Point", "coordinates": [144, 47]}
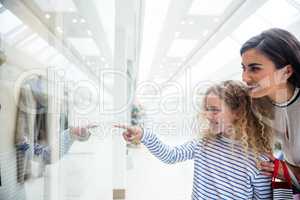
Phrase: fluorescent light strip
{"type": "Point", "coordinates": [155, 14]}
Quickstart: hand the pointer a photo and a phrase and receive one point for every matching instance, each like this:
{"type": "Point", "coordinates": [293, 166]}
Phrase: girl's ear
{"type": "Point", "coordinates": [237, 114]}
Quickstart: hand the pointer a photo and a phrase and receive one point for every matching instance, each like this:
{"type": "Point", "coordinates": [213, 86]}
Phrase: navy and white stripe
{"type": "Point", "coordinates": [283, 194]}
{"type": "Point", "coordinates": [221, 169]}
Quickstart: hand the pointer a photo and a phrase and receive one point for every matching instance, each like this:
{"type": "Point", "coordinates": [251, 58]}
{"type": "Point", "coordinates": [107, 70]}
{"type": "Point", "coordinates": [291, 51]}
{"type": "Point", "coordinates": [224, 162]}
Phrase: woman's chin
{"type": "Point", "coordinates": [258, 93]}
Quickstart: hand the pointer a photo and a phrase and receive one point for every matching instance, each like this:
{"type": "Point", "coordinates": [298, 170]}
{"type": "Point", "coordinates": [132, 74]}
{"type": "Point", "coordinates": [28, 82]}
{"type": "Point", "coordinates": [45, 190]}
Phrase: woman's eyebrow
{"type": "Point", "coordinates": [252, 64]}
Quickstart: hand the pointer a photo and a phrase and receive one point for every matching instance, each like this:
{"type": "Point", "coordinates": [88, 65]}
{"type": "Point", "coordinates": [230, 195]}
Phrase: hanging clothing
{"type": "Point", "coordinates": [31, 138]}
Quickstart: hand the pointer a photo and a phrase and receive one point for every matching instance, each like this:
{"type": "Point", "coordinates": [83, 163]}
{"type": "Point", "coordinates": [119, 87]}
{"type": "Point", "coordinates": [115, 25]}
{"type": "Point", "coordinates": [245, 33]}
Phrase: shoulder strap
{"type": "Point", "coordinates": [275, 172]}
{"type": "Point", "coordinates": [286, 172]}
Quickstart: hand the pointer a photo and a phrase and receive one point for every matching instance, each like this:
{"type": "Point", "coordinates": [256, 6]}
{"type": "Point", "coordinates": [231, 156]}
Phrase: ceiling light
{"type": "Point", "coordinates": [191, 22]}
{"type": "Point", "coordinates": [59, 29]}
{"type": "Point", "coordinates": [216, 19]}
{"type": "Point", "coordinates": [74, 21]}
{"type": "Point", "coordinates": [203, 7]}
{"type": "Point", "coordinates": [71, 9]}
{"type": "Point", "coordinates": [183, 22]}
{"type": "Point", "coordinates": [89, 32]}
{"type": "Point", "coordinates": [47, 16]}
{"type": "Point", "coordinates": [181, 47]}
{"type": "Point", "coordinates": [82, 20]}
{"type": "Point", "coordinates": [102, 58]}
{"type": "Point", "coordinates": [205, 32]}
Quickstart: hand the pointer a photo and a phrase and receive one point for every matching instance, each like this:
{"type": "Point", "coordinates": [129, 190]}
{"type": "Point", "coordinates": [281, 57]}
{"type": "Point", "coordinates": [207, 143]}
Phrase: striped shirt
{"type": "Point", "coordinates": [221, 169]}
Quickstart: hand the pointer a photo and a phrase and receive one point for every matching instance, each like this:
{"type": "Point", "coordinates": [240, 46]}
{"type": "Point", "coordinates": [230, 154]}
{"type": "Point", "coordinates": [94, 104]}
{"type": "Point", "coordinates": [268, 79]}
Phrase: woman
{"type": "Point", "coordinates": [271, 68]}
{"type": "Point", "coordinates": [225, 158]}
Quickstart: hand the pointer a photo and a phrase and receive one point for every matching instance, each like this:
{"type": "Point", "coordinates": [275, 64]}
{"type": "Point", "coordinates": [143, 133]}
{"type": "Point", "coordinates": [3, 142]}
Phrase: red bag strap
{"type": "Point", "coordinates": [276, 167]}
{"type": "Point", "coordinates": [286, 173]}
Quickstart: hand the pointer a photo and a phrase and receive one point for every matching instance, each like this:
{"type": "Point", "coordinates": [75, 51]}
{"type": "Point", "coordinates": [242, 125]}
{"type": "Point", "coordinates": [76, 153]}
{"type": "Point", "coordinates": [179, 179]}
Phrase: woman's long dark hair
{"type": "Point", "coordinates": [281, 47]}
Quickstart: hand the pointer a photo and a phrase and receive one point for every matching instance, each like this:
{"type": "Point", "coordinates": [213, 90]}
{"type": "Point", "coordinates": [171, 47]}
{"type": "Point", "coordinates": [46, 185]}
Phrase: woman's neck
{"type": "Point", "coordinates": [282, 93]}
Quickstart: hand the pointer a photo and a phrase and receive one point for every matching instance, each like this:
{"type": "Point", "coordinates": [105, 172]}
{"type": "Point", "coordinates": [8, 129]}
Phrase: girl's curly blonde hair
{"type": "Point", "coordinates": [250, 128]}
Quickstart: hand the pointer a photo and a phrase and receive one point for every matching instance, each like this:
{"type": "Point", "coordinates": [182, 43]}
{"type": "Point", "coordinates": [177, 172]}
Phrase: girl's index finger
{"type": "Point", "coordinates": [123, 126]}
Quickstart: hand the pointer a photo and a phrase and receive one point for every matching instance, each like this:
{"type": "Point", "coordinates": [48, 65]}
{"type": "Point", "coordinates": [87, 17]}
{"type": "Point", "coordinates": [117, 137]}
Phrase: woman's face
{"type": "Point", "coordinates": [261, 75]}
{"type": "Point", "coordinates": [219, 116]}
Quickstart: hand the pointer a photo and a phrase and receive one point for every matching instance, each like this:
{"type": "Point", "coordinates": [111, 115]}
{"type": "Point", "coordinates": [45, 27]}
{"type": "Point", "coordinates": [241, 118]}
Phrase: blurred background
{"type": "Point", "coordinates": [72, 63]}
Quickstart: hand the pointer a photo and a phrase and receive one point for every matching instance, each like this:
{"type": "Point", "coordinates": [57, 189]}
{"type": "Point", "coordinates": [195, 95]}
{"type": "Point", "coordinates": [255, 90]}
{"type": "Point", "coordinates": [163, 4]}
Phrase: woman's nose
{"type": "Point", "coordinates": [245, 76]}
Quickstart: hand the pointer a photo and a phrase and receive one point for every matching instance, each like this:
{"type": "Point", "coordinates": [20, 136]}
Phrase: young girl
{"type": "Point", "coordinates": [225, 158]}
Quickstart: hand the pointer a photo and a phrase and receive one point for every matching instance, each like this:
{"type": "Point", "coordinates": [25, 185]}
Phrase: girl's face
{"type": "Point", "coordinates": [219, 116]}
{"type": "Point", "coordinates": [261, 75]}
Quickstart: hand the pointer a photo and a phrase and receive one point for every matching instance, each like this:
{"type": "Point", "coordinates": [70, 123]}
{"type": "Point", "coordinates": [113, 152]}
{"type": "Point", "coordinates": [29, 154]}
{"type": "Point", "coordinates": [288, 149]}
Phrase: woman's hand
{"type": "Point", "coordinates": [132, 134]}
{"type": "Point", "coordinates": [268, 167]}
